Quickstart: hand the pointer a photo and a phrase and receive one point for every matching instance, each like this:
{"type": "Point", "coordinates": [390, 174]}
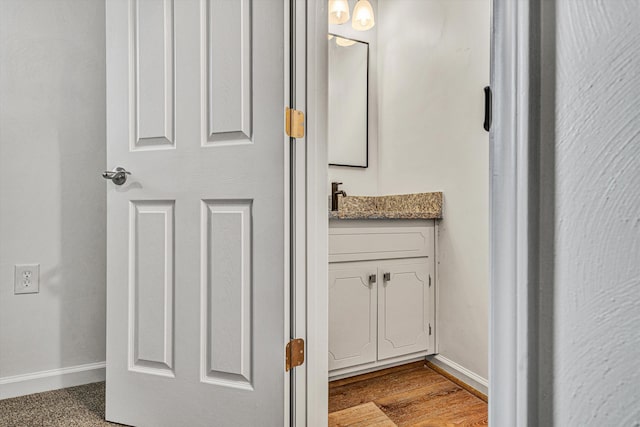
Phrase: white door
{"type": "Point", "coordinates": [352, 314]}
{"type": "Point", "coordinates": [404, 307]}
{"type": "Point", "coordinates": [196, 301]}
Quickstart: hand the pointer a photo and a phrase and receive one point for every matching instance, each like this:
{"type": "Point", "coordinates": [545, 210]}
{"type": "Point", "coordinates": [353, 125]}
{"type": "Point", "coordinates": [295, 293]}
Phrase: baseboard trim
{"type": "Point", "coordinates": [460, 375]}
{"type": "Point", "coordinates": [37, 382]}
{"type": "Point", "coordinates": [352, 371]}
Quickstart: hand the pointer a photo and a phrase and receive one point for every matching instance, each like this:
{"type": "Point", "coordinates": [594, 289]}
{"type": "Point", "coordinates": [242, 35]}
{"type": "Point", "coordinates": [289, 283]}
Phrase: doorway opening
{"type": "Point", "coordinates": [514, 227]}
{"type": "Point", "coordinates": [408, 235]}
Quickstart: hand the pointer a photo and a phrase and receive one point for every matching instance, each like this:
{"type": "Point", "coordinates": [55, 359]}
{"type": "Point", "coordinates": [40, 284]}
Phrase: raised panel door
{"type": "Point", "coordinates": [352, 314]}
{"type": "Point", "coordinates": [404, 307]}
{"type": "Point", "coordinates": [196, 249]}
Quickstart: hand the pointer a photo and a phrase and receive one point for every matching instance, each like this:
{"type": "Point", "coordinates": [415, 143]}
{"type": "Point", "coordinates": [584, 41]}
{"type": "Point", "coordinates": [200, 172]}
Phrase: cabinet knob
{"type": "Point", "coordinates": [387, 277]}
{"type": "Point", "coordinates": [373, 278]}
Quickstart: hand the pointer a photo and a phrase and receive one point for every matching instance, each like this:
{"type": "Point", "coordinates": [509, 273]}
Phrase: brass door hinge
{"type": "Point", "coordinates": [294, 123]}
{"type": "Point", "coordinates": [294, 353]}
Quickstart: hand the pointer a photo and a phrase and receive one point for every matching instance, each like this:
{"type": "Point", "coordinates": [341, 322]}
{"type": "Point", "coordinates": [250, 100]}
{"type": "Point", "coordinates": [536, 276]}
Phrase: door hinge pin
{"type": "Point", "coordinates": [429, 280]}
{"type": "Point", "coordinates": [294, 123]}
{"type": "Point", "coordinates": [429, 328]}
{"type": "Point", "coordinates": [294, 353]}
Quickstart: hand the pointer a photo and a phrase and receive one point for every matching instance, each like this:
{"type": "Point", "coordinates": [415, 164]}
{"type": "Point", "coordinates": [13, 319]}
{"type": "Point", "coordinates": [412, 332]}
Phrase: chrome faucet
{"type": "Point", "coordinates": [334, 195]}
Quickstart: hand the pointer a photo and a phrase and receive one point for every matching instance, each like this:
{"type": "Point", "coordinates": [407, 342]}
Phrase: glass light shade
{"type": "Point", "coordinates": [338, 11]}
{"type": "Point", "coordinates": [363, 19]}
{"type": "Point", "coordinates": [344, 42]}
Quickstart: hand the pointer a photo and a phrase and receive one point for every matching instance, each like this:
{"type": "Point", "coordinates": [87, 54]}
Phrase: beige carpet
{"type": "Point", "coordinates": [81, 406]}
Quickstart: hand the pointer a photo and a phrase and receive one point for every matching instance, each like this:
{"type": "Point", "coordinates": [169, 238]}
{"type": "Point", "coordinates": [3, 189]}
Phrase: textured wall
{"type": "Point", "coordinates": [52, 198]}
{"type": "Point", "coordinates": [433, 64]}
{"type": "Point", "coordinates": [595, 350]}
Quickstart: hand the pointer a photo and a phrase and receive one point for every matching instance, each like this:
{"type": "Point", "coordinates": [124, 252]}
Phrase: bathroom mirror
{"type": "Point", "coordinates": [348, 102]}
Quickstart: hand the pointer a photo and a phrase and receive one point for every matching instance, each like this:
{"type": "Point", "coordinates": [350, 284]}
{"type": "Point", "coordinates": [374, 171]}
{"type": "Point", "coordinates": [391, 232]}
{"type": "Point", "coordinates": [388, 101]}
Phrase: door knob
{"type": "Point", "coordinates": [118, 176]}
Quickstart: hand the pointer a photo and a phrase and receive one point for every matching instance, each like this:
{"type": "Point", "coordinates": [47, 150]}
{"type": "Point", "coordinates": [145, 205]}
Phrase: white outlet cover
{"type": "Point", "coordinates": [26, 279]}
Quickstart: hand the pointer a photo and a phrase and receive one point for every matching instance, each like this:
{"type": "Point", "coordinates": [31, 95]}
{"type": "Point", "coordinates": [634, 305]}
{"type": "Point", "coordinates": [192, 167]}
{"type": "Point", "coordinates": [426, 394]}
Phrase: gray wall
{"type": "Point", "coordinates": [590, 300]}
{"type": "Point", "coordinates": [52, 199]}
{"type": "Point", "coordinates": [431, 72]}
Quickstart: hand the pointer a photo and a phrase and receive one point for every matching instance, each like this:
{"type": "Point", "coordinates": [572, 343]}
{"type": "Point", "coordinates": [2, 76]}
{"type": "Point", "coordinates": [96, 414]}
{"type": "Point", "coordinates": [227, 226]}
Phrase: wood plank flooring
{"type": "Point", "coordinates": [407, 395]}
{"type": "Point", "coordinates": [366, 415]}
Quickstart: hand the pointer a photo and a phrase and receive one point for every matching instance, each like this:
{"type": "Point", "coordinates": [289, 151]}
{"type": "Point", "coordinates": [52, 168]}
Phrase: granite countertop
{"type": "Point", "coordinates": [400, 206]}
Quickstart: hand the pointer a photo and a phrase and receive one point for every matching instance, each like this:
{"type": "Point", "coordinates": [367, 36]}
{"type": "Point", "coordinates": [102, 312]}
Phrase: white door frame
{"type": "Point", "coordinates": [311, 226]}
{"type": "Point", "coordinates": [514, 207]}
{"type": "Point", "coordinates": [514, 213]}
{"type": "Point", "coordinates": [299, 206]}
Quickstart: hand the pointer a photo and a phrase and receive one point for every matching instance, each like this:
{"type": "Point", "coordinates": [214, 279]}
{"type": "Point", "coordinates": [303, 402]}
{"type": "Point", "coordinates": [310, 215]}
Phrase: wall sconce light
{"type": "Point", "coordinates": [338, 11]}
{"type": "Point", "coordinates": [363, 18]}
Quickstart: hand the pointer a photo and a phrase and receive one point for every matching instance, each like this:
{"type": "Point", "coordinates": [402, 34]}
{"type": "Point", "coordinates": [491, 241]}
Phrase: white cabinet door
{"type": "Point", "coordinates": [352, 314]}
{"type": "Point", "coordinates": [404, 307]}
{"type": "Point", "coordinates": [196, 290]}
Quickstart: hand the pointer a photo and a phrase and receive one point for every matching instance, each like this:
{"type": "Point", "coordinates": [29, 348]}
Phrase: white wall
{"type": "Point", "coordinates": [592, 151]}
{"type": "Point", "coordinates": [52, 198]}
{"type": "Point", "coordinates": [433, 62]}
{"type": "Point", "coordinates": [362, 181]}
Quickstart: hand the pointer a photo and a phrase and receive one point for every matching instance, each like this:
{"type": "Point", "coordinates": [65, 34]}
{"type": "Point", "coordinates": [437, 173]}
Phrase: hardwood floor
{"type": "Point", "coordinates": [407, 395]}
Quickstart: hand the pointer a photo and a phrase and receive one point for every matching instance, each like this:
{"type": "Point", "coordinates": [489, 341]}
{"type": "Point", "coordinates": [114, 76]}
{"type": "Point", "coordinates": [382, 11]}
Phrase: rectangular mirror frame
{"type": "Point", "coordinates": [366, 165]}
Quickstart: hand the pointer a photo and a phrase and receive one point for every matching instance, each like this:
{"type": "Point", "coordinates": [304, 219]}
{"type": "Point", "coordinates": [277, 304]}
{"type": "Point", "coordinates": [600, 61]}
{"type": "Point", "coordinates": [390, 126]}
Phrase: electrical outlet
{"type": "Point", "coordinates": [26, 279]}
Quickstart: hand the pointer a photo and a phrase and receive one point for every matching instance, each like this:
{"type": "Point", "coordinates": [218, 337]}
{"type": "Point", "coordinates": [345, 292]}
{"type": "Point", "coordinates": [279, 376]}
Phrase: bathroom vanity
{"type": "Point", "coordinates": [382, 281]}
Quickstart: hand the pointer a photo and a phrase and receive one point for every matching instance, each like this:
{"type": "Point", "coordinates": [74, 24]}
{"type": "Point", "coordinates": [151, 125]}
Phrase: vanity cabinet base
{"type": "Point", "coordinates": [381, 300]}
